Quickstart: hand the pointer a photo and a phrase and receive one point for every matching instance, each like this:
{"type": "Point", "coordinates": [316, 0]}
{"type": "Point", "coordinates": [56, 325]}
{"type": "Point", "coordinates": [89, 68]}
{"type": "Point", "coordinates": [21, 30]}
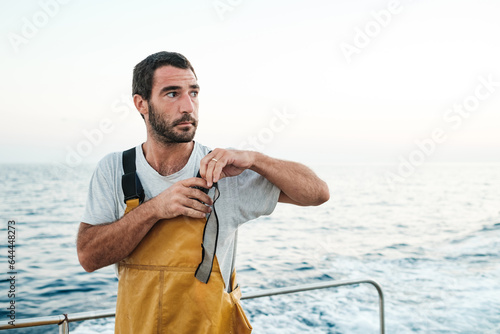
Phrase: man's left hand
{"type": "Point", "coordinates": [221, 163]}
{"type": "Point", "coordinates": [298, 184]}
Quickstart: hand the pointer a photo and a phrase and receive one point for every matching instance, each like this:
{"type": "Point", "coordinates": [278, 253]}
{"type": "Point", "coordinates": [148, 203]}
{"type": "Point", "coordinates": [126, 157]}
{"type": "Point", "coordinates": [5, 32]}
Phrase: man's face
{"type": "Point", "coordinates": [173, 106]}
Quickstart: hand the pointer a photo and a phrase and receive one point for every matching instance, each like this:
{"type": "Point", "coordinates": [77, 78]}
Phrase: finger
{"type": "Point", "coordinates": [219, 166]}
{"type": "Point", "coordinates": [189, 212]}
{"type": "Point", "coordinates": [198, 206]}
{"type": "Point", "coordinates": [203, 165]}
{"type": "Point", "coordinates": [209, 176]}
{"type": "Point", "coordinates": [199, 196]}
{"type": "Point", "coordinates": [195, 182]}
{"type": "Point", "coordinates": [194, 188]}
{"type": "Point", "coordinates": [205, 161]}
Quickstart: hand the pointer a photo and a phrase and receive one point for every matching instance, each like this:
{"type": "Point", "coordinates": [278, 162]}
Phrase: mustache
{"type": "Point", "coordinates": [186, 118]}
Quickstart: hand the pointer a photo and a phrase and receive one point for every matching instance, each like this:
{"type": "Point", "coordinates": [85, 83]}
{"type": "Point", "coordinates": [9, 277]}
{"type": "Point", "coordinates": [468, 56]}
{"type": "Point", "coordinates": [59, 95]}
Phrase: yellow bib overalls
{"type": "Point", "coordinates": [158, 292]}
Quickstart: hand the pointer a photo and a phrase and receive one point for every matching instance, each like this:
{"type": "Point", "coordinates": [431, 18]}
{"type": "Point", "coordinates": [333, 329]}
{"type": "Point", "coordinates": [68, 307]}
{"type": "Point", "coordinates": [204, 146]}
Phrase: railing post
{"type": "Point", "coordinates": [381, 305]}
{"type": "Point", "coordinates": [323, 285]}
{"type": "Point", "coordinates": [64, 325]}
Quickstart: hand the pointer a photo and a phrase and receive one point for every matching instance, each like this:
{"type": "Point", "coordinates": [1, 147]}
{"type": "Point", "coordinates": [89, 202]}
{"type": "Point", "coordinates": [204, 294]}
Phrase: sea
{"type": "Point", "coordinates": [431, 239]}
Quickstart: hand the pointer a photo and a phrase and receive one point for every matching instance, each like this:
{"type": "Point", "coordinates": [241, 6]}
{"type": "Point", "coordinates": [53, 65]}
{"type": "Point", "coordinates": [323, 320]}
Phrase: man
{"type": "Point", "coordinates": [164, 284]}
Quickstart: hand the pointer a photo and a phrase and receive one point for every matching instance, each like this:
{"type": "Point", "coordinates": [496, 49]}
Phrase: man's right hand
{"type": "Point", "coordinates": [105, 244]}
{"type": "Point", "coordinates": [183, 199]}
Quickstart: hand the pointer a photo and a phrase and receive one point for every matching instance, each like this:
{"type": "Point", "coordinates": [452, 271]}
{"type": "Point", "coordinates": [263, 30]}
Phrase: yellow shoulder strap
{"type": "Point", "coordinates": [131, 204]}
{"type": "Point", "coordinates": [131, 185]}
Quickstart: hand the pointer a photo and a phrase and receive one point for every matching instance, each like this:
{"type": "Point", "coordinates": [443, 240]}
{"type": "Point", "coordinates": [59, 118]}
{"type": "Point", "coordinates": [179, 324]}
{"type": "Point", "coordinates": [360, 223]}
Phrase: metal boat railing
{"type": "Point", "coordinates": [63, 320]}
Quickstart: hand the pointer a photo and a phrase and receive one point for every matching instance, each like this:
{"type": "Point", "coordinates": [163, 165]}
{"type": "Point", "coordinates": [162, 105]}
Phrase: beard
{"type": "Point", "coordinates": [166, 132]}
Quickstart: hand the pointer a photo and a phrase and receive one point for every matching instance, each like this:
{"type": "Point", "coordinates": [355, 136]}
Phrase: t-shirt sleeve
{"type": "Point", "coordinates": [101, 206]}
{"type": "Point", "coordinates": [256, 195]}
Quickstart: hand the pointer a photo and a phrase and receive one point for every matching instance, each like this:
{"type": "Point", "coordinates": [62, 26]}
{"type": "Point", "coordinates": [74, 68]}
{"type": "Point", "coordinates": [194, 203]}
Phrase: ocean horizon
{"type": "Point", "coordinates": [431, 239]}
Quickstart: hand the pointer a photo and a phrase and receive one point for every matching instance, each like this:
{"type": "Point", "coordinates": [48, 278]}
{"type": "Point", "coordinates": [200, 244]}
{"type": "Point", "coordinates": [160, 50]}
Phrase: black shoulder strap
{"type": "Point", "coordinates": [131, 185]}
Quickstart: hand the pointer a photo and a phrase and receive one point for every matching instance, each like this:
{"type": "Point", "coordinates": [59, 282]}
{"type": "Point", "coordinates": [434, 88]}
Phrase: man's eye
{"type": "Point", "coordinates": [194, 94]}
{"type": "Point", "coordinates": [172, 94]}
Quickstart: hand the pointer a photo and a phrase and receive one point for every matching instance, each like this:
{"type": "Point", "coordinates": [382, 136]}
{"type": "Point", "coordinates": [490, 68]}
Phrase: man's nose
{"type": "Point", "coordinates": [187, 104]}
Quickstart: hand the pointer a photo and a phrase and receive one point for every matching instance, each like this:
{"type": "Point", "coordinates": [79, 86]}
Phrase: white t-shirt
{"type": "Point", "coordinates": [242, 198]}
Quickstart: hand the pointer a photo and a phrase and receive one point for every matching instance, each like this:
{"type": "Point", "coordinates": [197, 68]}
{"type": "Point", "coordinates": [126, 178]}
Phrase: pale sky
{"type": "Point", "coordinates": [313, 81]}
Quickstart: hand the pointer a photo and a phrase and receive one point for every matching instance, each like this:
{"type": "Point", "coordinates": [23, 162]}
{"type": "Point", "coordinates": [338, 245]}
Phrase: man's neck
{"type": "Point", "coordinates": [167, 159]}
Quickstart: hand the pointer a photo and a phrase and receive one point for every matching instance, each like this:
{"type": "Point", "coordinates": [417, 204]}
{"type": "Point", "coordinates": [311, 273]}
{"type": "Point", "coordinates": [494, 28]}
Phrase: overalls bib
{"type": "Point", "coordinates": [158, 292]}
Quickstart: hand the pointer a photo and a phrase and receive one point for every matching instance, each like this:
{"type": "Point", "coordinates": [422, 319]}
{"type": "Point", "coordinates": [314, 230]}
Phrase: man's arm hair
{"type": "Point", "coordinates": [299, 185]}
{"type": "Point", "coordinates": [101, 245]}
{"type": "Point", "coordinates": [104, 244]}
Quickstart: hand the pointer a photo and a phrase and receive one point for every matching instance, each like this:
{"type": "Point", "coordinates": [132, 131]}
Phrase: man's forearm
{"type": "Point", "coordinates": [298, 182]}
{"type": "Point", "coordinates": [101, 245]}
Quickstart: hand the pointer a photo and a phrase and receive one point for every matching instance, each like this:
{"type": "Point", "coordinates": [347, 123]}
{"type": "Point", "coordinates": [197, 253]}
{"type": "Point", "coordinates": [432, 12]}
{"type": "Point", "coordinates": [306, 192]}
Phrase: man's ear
{"type": "Point", "coordinates": [141, 105]}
